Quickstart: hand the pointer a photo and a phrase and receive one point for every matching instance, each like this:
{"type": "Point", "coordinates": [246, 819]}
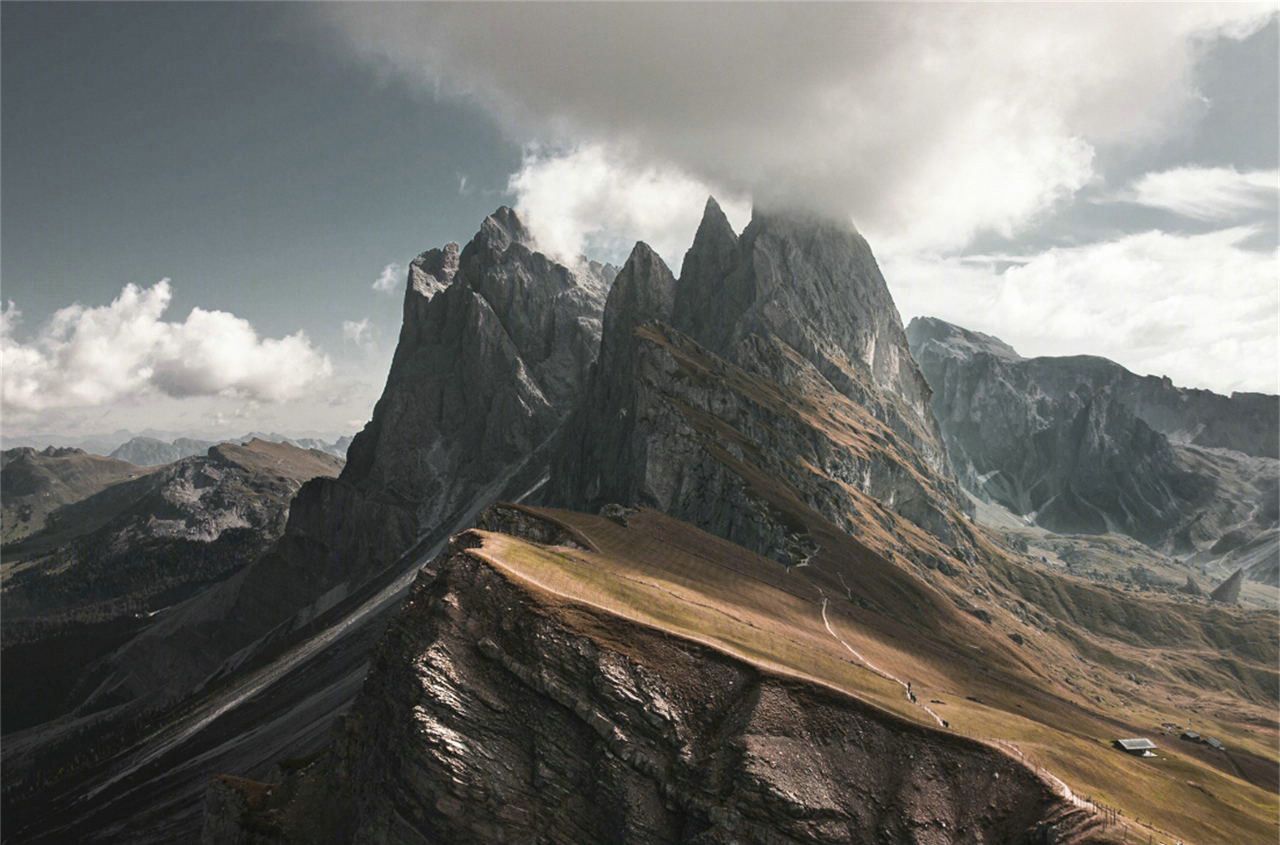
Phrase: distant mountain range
{"type": "Point", "coordinates": [152, 448]}
{"type": "Point", "coordinates": [108, 544]}
{"type": "Point", "coordinates": [149, 451]}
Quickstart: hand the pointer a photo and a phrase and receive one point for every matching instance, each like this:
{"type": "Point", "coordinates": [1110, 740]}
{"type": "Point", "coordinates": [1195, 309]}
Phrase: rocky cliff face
{"type": "Point", "coordinates": [496, 340]}
{"type": "Point", "coordinates": [497, 712]}
{"type": "Point", "coordinates": [1082, 445]}
{"type": "Point", "coordinates": [774, 370]}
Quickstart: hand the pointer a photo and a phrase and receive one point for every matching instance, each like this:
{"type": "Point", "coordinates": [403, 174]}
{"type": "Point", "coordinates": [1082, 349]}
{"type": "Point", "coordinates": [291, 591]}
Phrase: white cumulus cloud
{"type": "Point", "coordinates": [1207, 193]}
{"type": "Point", "coordinates": [98, 355]}
{"type": "Point", "coordinates": [928, 124]}
{"type": "Point", "coordinates": [586, 202]}
{"type": "Point", "coordinates": [390, 279]}
{"type": "Point", "coordinates": [1201, 309]}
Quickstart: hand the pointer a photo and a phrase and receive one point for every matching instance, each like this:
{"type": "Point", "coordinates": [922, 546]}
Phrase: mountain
{"type": "Point", "coordinates": [338, 447]}
{"type": "Point", "coordinates": [107, 563]}
{"type": "Point", "coordinates": [484, 369]}
{"type": "Point", "coordinates": [801, 390]}
{"type": "Point", "coordinates": [736, 595]}
{"type": "Point", "coordinates": [603, 707]}
{"type": "Point", "coordinates": [496, 343]}
{"type": "Point", "coordinates": [148, 451]}
{"type": "Point", "coordinates": [784, 595]}
{"type": "Point", "coordinates": [34, 484]}
{"type": "Point", "coordinates": [1081, 445]}
{"type": "Point", "coordinates": [94, 444]}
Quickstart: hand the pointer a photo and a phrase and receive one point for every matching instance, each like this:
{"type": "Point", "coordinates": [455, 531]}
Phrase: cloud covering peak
{"type": "Point", "coordinates": [924, 123]}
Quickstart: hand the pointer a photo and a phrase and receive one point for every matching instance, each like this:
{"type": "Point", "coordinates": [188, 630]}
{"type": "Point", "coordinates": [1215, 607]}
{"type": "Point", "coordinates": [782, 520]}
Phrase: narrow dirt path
{"type": "Point", "coordinates": [873, 667]}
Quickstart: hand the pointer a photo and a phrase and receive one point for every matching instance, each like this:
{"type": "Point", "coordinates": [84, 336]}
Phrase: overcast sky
{"type": "Point", "coordinates": [207, 209]}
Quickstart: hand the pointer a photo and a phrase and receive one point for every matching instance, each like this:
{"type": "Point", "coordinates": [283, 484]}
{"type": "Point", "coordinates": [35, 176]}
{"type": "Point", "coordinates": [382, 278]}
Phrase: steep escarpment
{"type": "Point", "coordinates": [774, 370]}
{"type": "Point", "coordinates": [498, 710]}
{"type": "Point", "coordinates": [496, 338]}
{"type": "Point", "coordinates": [1082, 445]}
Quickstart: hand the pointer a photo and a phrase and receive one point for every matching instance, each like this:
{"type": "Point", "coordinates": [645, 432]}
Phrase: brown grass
{"type": "Point", "coordinates": [664, 574]}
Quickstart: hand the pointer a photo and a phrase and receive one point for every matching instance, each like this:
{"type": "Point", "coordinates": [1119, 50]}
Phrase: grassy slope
{"type": "Point", "coordinates": [663, 573]}
{"type": "Point", "coordinates": [37, 485]}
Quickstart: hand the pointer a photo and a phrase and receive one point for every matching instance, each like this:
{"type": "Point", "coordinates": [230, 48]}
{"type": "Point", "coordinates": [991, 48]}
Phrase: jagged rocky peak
{"type": "Point", "coordinates": [753, 368]}
{"type": "Point", "coordinates": [706, 264]}
{"type": "Point", "coordinates": [812, 282]}
{"type": "Point", "coordinates": [433, 270]}
{"type": "Point", "coordinates": [502, 229]}
{"type": "Point", "coordinates": [956, 340]}
{"type": "Point", "coordinates": [513, 329]}
{"type": "Point", "coordinates": [599, 447]}
{"type": "Point", "coordinates": [643, 290]}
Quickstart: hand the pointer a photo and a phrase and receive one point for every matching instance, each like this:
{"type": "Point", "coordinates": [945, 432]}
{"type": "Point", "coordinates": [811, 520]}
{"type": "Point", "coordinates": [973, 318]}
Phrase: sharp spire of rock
{"type": "Point", "coordinates": [644, 290]}
{"type": "Point", "coordinates": [598, 447]}
{"type": "Point", "coordinates": [706, 265]}
{"type": "Point", "coordinates": [1228, 592]}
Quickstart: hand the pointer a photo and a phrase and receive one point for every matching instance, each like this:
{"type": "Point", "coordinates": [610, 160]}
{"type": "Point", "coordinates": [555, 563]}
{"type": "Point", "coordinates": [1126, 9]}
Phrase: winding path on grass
{"type": "Point", "coordinates": [867, 663]}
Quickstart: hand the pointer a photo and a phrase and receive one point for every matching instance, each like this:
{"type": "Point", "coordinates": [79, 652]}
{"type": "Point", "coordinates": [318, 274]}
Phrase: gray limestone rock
{"type": "Point", "coordinates": [774, 372]}
{"type": "Point", "coordinates": [497, 339]}
{"type": "Point", "coordinates": [490, 717]}
{"type": "Point", "coordinates": [1228, 592]}
{"type": "Point", "coordinates": [1081, 445]}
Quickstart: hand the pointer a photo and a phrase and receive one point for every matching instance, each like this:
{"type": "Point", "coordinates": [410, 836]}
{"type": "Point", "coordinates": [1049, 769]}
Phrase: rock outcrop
{"type": "Point", "coordinates": [496, 341]}
{"type": "Point", "coordinates": [1082, 445]}
{"type": "Point", "coordinates": [496, 713]}
{"type": "Point", "coordinates": [774, 370]}
{"type": "Point", "coordinates": [1228, 592]}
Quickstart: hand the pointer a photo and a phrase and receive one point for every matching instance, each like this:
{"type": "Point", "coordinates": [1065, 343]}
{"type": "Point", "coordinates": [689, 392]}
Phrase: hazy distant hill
{"type": "Point", "coordinates": [106, 561]}
{"type": "Point", "coordinates": [148, 451]}
{"type": "Point", "coordinates": [34, 484]}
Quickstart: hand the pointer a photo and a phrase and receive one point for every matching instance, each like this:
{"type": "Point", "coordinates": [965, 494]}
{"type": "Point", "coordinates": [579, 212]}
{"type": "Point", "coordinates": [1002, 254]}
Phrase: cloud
{"type": "Point", "coordinates": [1202, 309]}
{"type": "Point", "coordinates": [1221, 194]}
{"type": "Point", "coordinates": [390, 279]}
{"type": "Point", "coordinates": [95, 356]}
{"type": "Point", "coordinates": [587, 202]}
{"type": "Point", "coordinates": [928, 124]}
{"type": "Point", "coordinates": [358, 332]}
